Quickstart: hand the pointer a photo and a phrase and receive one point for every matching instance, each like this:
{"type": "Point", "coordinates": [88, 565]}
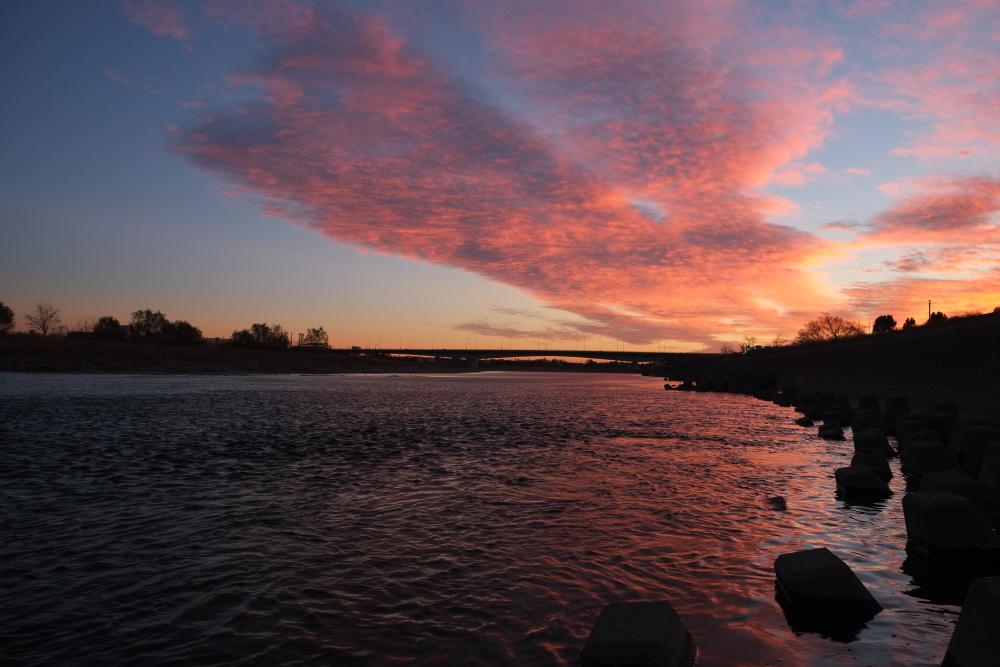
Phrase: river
{"type": "Point", "coordinates": [474, 519]}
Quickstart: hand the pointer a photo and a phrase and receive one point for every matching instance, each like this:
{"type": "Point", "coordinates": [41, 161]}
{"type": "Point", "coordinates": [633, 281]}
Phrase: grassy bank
{"type": "Point", "coordinates": [65, 355]}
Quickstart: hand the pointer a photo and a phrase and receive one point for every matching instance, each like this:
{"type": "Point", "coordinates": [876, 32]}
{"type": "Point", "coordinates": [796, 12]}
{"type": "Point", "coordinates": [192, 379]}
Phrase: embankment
{"type": "Point", "coordinates": [65, 355]}
{"type": "Point", "coordinates": [954, 360]}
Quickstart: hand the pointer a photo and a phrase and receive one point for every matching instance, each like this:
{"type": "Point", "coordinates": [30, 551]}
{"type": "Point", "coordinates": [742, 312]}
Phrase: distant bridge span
{"type": "Point", "coordinates": [470, 355]}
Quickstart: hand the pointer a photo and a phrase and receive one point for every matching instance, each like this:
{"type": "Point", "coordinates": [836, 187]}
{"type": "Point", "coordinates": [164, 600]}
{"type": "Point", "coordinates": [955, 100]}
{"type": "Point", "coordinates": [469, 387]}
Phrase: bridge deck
{"type": "Point", "coordinates": [466, 354]}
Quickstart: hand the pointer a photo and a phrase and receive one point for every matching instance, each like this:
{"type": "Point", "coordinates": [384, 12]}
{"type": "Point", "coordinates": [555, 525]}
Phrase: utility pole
{"type": "Point", "coordinates": [928, 309]}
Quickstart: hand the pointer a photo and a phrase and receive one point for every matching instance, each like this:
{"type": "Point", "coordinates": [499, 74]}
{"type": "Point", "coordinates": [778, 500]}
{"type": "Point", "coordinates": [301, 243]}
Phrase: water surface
{"type": "Point", "coordinates": [477, 519]}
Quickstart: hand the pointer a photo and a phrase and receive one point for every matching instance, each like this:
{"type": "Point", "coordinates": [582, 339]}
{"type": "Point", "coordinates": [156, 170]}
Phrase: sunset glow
{"type": "Point", "coordinates": [645, 171]}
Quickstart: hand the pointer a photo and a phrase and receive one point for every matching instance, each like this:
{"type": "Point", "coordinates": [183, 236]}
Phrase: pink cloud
{"type": "Point", "coordinates": [160, 16]}
{"type": "Point", "coordinates": [608, 162]}
{"type": "Point", "coordinates": [114, 75]}
{"type": "Point", "coordinates": [371, 143]}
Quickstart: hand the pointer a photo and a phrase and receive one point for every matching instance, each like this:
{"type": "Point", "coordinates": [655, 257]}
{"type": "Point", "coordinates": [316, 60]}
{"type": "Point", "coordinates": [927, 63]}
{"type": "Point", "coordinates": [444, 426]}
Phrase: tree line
{"type": "Point", "coordinates": [147, 326]}
{"type": "Point", "coordinates": [831, 327]}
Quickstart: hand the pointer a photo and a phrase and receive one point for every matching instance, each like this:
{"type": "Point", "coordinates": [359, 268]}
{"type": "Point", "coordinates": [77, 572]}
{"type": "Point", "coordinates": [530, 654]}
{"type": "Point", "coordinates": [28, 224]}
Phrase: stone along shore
{"type": "Point", "coordinates": [930, 396]}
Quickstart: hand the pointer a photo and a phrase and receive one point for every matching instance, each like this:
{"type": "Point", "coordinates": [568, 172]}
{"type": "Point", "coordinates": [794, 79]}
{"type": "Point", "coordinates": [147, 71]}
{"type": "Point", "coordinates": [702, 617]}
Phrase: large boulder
{"type": "Point", "coordinates": [874, 460]}
{"type": "Point", "coordinates": [817, 580]}
{"type": "Point", "coordinates": [921, 458]}
{"type": "Point", "coordinates": [952, 481]}
{"type": "Point", "coordinates": [975, 641]}
{"type": "Point", "coordinates": [949, 527]}
{"type": "Point", "coordinates": [859, 482]}
{"type": "Point", "coordinates": [639, 634]}
{"type": "Point", "coordinates": [873, 440]}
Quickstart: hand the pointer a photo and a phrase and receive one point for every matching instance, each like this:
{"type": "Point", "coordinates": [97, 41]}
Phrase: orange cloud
{"type": "Point", "coordinates": [623, 191]}
{"type": "Point", "coordinates": [608, 163]}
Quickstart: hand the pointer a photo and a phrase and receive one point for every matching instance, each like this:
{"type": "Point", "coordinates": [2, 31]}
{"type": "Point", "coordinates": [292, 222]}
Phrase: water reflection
{"type": "Point", "coordinates": [370, 520]}
{"type": "Point", "coordinates": [838, 627]}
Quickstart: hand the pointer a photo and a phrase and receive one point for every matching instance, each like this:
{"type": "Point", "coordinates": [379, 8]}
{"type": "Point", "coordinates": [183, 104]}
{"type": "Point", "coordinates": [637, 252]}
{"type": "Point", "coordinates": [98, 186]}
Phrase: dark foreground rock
{"type": "Point", "coordinates": [873, 440]}
{"type": "Point", "coordinates": [949, 527]}
{"type": "Point", "coordinates": [859, 482]}
{"type": "Point", "coordinates": [922, 458]}
{"type": "Point", "coordinates": [817, 580]}
{"type": "Point", "coordinates": [643, 634]}
{"type": "Point", "coordinates": [874, 460]}
{"type": "Point", "coordinates": [952, 481]}
{"type": "Point", "coordinates": [976, 640]}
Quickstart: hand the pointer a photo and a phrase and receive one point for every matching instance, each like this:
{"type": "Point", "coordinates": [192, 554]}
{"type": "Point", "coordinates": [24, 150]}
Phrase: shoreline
{"type": "Point", "coordinates": [953, 361]}
{"type": "Point", "coordinates": [23, 354]}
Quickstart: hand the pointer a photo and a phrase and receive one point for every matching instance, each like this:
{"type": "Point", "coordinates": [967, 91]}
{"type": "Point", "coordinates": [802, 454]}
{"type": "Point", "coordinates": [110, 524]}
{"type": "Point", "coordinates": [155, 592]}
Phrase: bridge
{"type": "Point", "coordinates": [476, 355]}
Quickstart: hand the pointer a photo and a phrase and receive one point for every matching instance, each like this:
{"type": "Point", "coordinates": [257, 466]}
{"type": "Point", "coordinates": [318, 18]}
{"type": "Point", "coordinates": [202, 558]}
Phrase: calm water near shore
{"type": "Point", "coordinates": [479, 519]}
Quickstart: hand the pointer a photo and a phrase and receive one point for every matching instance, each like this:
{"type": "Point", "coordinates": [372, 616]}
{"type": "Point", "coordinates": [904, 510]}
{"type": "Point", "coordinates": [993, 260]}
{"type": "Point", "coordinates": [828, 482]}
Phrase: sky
{"type": "Point", "coordinates": [653, 175]}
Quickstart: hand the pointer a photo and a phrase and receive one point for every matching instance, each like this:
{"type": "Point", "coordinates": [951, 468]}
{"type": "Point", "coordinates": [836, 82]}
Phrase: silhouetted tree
{"type": "Point", "coordinates": [909, 323]}
{"type": "Point", "coordinates": [316, 338]}
{"type": "Point", "coordinates": [108, 328]}
{"type": "Point", "coordinates": [727, 348]}
{"type": "Point", "coordinates": [261, 336]}
{"type": "Point", "coordinates": [6, 318]}
{"type": "Point", "coordinates": [178, 333]}
{"type": "Point", "coordinates": [84, 325]}
{"type": "Point", "coordinates": [45, 318]}
{"type": "Point", "coordinates": [884, 324]}
{"type": "Point", "coordinates": [145, 325]}
{"type": "Point", "coordinates": [779, 341]}
{"type": "Point", "coordinates": [748, 343]}
{"type": "Point", "coordinates": [827, 327]}
{"type": "Point", "coordinates": [936, 317]}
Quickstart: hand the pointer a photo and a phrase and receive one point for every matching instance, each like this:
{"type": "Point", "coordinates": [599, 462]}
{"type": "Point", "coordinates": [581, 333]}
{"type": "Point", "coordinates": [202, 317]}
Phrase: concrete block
{"type": "Point", "coordinates": [949, 527]}
{"type": "Point", "coordinates": [944, 423]}
{"type": "Point", "coordinates": [947, 406]}
{"type": "Point", "coordinates": [816, 579]}
{"type": "Point", "coordinates": [974, 441]}
{"type": "Point", "coordinates": [975, 641]}
{"type": "Point", "coordinates": [957, 439]}
{"type": "Point", "coordinates": [865, 422]}
{"type": "Point", "coordinates": [831, 431]}
{"type": "Point", "coordinates": [869, 402]}
{"type": "Point", "coordinates": [874, 460]}
{"type": "Point", "coordinates": [897, 405]}
{"type": "Point", "coordinates": [952, 481]}
{"type": "Point", "coordinates": [921, 458]}
{"type": "Point", "coordinates": [643, 634]}
{"type": "Point", "coordinates": [873, 440]}
{"type": "Point", "coordinates": [927, 435]}
{"type": "Point", "coordinates": [860, 482]}
{"type": "Point", "coordinates": [906, 426]}
{"type": "Point", "coordinates": [988, 471]}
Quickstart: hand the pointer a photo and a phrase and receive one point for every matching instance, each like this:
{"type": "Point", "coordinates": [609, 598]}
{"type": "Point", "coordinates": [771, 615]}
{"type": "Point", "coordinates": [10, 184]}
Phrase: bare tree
{"type": "Point", "coordinates": [749, 342]}
{"type": "Point", "coordinates": [44, 317]}
{"type": "Point", "coordinates": [85, 324]}
{"type": "Point", "coordinates": [779, 341]}
{"type": "Point", "coordinates": [6, 318]}
{"type": "Point", "coordinates": [727, 348]}
{"type": "Point", "coordinates": [828, 327]}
